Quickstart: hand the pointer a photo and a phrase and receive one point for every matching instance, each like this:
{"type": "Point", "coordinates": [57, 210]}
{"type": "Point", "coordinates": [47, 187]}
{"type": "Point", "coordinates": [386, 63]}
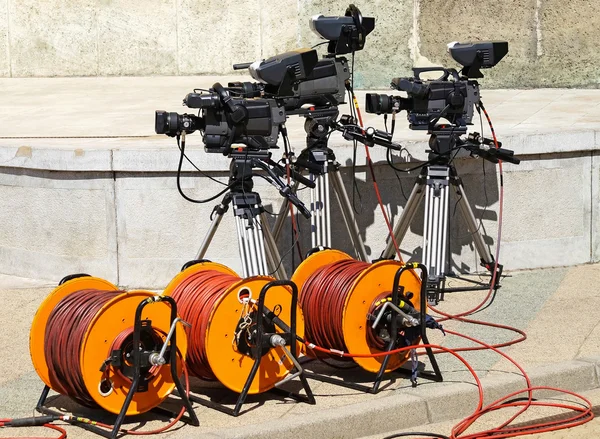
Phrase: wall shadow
{"type": "Point", "coordinates": [479, 179]}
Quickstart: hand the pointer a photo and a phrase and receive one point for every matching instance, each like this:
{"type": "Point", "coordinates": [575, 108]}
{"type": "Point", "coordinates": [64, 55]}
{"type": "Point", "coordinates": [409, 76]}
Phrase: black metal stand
{"type": "Point", "coordinates": [436, 375]}
{"type": "Point", "coordinates": [320, 161]}
{"type": "Point", "coordinates": [263, 315]}
{"type": "Point", "coordinates": [137, 378]}
{"type": "Point", "coordinates": [433, 186]}
{"type": "Point", "coordinates": [258, 249]}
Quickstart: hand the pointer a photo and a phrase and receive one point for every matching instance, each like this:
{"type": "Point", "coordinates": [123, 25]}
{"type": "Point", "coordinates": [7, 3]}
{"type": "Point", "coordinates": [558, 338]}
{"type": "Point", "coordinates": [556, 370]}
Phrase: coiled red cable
{"type": "Point", "coordinates": [196, 297]}
{"type": "Point", "coordinates": [66, 327]}
{"type": "Point", "coordinates": [322, 301]}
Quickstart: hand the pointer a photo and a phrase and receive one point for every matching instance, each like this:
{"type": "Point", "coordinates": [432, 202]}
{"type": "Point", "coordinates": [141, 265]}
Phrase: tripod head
{"type": "Point", "coordinates": [447, 138]}
{"type": "Point", "coordinates": [243, 169]}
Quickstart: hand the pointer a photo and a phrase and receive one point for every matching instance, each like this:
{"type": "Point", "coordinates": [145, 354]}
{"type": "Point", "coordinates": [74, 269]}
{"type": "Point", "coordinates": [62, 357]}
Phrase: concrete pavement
{"type": "Point", "coordinates": [555, 306]}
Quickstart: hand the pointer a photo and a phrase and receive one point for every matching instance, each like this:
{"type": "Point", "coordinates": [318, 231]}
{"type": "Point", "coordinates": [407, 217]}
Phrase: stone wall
{"type": "Point", "coordinates": [552, 43]}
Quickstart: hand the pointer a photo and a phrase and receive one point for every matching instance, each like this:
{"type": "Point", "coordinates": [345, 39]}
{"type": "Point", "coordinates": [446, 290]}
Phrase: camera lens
{"type": "Point", "coordinates": [379, 104]}
{"type": "Point", "coordinates": [166, 123]}
{"type": "Point", "coordinates": [160, 122]}
{"type": "Point", "coordinates": [385, 104]}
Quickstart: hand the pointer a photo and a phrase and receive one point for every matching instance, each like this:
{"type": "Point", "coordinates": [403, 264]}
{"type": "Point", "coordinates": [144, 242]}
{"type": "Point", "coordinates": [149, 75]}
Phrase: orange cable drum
{"type": "Point", "coordinates": [208, 297]}
{"type": "Point", "coordinates": [337, 293]}
{"type": "Point", "coordinates": [76, 329]}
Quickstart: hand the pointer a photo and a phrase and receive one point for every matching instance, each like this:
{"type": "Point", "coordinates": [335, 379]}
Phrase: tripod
{"type": "Point", "coordinates": [434, 184]}
{"type": "Point", "coordinates": [320, 161]}
{"type": "Point", "coordinates": [257, 246]}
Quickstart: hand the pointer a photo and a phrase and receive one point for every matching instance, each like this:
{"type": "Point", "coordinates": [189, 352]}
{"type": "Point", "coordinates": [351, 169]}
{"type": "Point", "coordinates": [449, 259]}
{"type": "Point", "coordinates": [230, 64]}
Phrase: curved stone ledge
{"type": "Point", "coordinates": [109, 205]}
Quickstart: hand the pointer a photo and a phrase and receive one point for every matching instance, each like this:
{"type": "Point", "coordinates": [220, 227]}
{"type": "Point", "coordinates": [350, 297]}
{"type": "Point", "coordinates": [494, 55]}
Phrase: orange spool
{"type": "Point", "coordinates": [214, 351]}
{"type": "Point", "coordinates": [112, 320]}
{"type": "Point", "coordinates": [373, 283]}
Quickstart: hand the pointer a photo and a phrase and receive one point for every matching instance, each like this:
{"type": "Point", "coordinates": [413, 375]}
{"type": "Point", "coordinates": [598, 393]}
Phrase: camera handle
{"type": "Point", "coordinates": [485, 148]}
{"type": "Point", "coordinates": [367, 136]}
{"type": "Point", "coordinates": [446, 72]}
{"type": "Point", "coordinates": [284, 190]}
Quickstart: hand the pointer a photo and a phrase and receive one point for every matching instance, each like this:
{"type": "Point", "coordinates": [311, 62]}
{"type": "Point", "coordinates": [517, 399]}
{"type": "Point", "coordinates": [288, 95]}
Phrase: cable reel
{"type": "Point", "coordinates": [82, 345]}
{"type": "Point", "coordinates": [223, 311]}
{"type": "Point", "coordinates": [347, 305]}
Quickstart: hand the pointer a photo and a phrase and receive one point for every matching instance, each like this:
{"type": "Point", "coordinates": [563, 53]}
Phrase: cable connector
{"type": "Point", "coordinates": [34, 421]}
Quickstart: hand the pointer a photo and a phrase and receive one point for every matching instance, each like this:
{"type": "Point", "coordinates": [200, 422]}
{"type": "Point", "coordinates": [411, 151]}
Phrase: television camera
{"type": "Point", "coordinates": [253, 114]}
{"type": "Point", "coordinates": [453, 96]}
{"type": "Point", "coordinates": [444, 107]}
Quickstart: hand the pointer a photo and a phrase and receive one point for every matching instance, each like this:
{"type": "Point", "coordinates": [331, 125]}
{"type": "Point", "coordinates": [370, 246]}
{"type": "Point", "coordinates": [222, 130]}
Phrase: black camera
{"type": "Point", "coordinates": [251, 113]}
{"type": "Point", "coordinates": [298, 78]}
{"type": "Point", "coordinates": [451, 96]}
{"type": "Point", "coordinates": [225, 120]}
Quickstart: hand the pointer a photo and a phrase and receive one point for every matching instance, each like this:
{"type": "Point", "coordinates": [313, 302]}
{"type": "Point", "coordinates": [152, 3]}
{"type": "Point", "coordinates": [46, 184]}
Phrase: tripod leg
{"type": "Point", "coordinates": [405, 219]}
{"type": "Point", "coordinates": [467, 212]}
{"type": "Point", "coordinates": [313, 209]}
{"type": "Point", "coordinates": [214, 225]}
{"type": "Point", "coordinates": [438, 229]}
{"type": "Point", "coordinates": [327, 207]}
{"type": "Point", "coordinates": [252, 245]}
{"type": "Point", "coordinates": [243, 246]}
{"type": "Point", "coordinates": [271, 251]}
{"type": "Point", "coordinates": [342, 196]}
{"type": "Point", "coordinates": [321, 217]}
{"type": "Point", "coordinates": [436, 222]}
{"type": "Point", "coordinates": [442, 261]}
{"type": "Point", "coordinates": [260, 246]}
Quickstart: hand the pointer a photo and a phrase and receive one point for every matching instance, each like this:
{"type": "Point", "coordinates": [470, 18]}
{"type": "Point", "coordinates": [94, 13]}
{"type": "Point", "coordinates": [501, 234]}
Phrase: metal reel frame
{"type": "Point", "coordinates": [137, 360]}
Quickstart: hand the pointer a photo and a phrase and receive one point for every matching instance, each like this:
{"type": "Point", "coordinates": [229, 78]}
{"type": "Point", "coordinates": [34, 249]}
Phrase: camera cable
{"type": "Point", "coordinates": [181, 145]}
{"type": "Point", "coordinates": [355, 187]}
{"type": "Point", "coordinates": [288, 170]}
{"type": "Point", "coordinates": [375, 185]}
{"type": "Point", "coordinates": [205, 174]}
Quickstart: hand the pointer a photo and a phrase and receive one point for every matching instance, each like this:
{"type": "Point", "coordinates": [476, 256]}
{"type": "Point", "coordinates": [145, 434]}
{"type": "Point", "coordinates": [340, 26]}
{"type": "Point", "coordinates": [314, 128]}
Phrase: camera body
{"type": "Point", "coordinates": [253, 122]}
{"type": "Point", "coordinates": [452, 96]}
{"type": "Point", "coordinates": [325, 86]}
{"type": "Point", "coordinates": [298, 78]}
{"type": "Point", "coordinates": [225, 120]}
{"type": "Point", "coordinates": [427, 101]}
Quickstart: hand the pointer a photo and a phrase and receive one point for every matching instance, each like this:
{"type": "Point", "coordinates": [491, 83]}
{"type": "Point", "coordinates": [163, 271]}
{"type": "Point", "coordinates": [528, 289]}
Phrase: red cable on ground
{"type": "Point", "coordinates": [196, 297]}
{"type": "Point", "coordinates": [585, 414]}
{"type": "Point", "coordinates": [63, 433]}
